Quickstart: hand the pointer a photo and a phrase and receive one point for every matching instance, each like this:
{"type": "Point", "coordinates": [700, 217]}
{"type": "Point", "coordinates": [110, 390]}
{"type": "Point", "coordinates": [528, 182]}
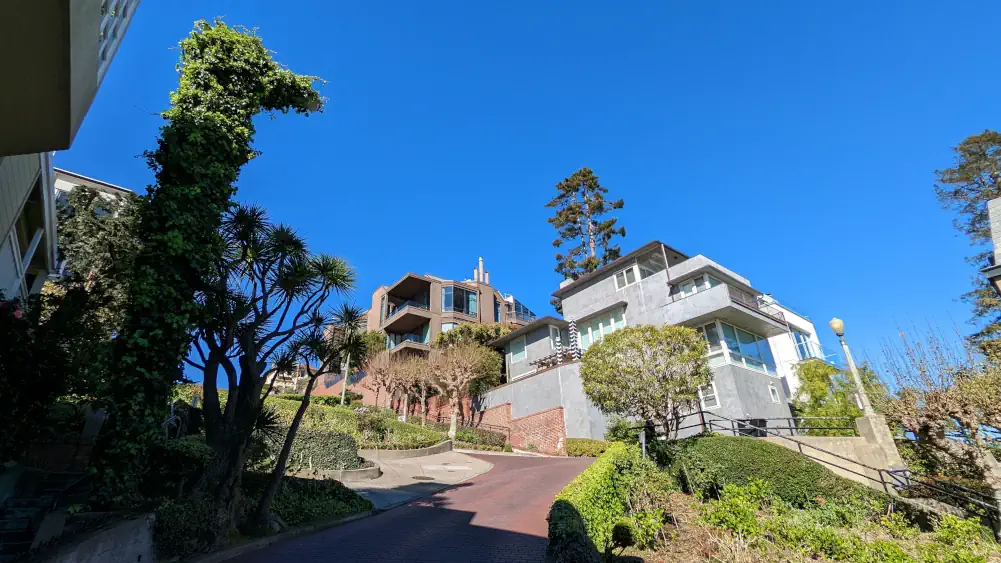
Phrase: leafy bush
{"type": "Point", "coordinates": [586, 510]}
{"type": "Point", "coordinates": [176, 466]}
{"type": "Point", "coordinates": [301, 501]}
{"type": "Point", "coordinates": [898, 526]}
{"type": "Point", "coordinates": [955, 531]}
{"type": "Point", "coordinates": [320, 449]}
{"type": "Point", "coordinates": [705, 464]}
{"type": "Point", "coordinates": [621, 430]}
{"type": "Point", "coordinates": [325, 400]}
{"type": "Point", "coordinates": [183, 528]}
{"type": "Point", "coordinates": [404, 436]}
{"type": "Point", "coordinates": [585, 447]}
{"type": "Point", "coordinates": [736, 510]}
{"type": "Point", "coordinates": [481, 447]}
{"type": "Point", "coordinates": [371, 428]}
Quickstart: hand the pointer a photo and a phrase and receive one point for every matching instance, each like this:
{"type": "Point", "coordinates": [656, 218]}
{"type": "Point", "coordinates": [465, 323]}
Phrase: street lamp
{"type": "Point", "coordinates": [838, 326]}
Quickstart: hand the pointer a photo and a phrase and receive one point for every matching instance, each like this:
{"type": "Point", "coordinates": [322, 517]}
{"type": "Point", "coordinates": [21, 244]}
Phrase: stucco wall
{"type": "Point", "coordinates": [537, 346]}
{"type": "Point", "coordinates": [856, 449]}
{"type": "Point", "coordinates": [125, 542]}
{"type": "Point", "coordinates": [742, 394]}
{"type": "Point", "coordinates": [644, 299]}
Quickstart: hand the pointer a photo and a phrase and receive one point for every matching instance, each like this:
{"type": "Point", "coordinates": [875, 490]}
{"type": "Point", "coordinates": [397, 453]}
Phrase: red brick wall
{"type": "Point", "coordinates": [368, 396]}
{"type": "Point", "coordinates": [545, 430]}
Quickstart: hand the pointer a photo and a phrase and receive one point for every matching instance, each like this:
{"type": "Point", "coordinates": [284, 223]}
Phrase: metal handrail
{"type": "Point", "coordinates": [738, 428]}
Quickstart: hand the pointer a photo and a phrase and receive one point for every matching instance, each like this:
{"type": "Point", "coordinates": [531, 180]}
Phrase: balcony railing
{"type": "Point", "coordinates": [408, 303]}
{"type": "Point", "coordinates": [753, 302]}
{"type": "Point", "coordinates": [812, 351]}
{"type": "Point", "coordinates": [409, 337]}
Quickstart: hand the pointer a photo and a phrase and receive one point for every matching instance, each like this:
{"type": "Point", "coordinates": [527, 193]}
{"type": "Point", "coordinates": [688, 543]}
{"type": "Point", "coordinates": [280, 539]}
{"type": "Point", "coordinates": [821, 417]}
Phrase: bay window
{"type": "Point", "coordinates": [458, 300]}
{"type": "Point", "coordinates": [742, 347]}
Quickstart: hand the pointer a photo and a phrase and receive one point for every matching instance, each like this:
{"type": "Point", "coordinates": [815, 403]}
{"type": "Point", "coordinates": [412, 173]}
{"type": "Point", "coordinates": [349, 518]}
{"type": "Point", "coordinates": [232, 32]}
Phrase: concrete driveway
{"type": "Point", "coordinates": [498, 516]}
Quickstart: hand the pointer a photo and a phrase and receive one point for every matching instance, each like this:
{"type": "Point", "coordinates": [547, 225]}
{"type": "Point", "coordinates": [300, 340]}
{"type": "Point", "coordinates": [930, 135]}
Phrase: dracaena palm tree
{"type": "Point", "coordinates": [267, 292]}
{"type": "Point", "coordinates": [347, 322]}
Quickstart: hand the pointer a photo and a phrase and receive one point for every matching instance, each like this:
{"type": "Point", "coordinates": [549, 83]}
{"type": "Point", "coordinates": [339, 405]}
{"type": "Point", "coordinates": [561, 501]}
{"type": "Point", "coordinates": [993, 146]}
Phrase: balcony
{"type": "Point", "coordinates": [407, 316]}
{"type": "Point", "coordinates": [410, 342]}
{"type": "Point", "coordinates": [728, 303]}
{"type": "Point", "coordinates": [57, 52]}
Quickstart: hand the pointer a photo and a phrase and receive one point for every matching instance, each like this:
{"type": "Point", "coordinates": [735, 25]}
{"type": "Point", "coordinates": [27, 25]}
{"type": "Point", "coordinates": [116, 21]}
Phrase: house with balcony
{"type": "Point", "coordinates": [754, 342]}
{"type": "Point", "coordinates": [416, 308]}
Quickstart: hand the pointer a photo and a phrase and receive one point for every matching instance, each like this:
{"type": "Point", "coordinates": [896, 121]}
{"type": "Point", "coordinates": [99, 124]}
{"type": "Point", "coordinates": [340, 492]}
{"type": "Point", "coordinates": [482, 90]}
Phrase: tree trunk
{"type": "Point", "coordinates": [424, 406]}
{"type": "Point", "coordinates": [261, 519]}
{"type": "Point", "coordinates": [406, 406]}
{"type": "Point", "coordinates": [344, 384]}
{"type": "Point", "coordinates": [454, 424]}
{"type": "Point", "coordinates": [228, 478]}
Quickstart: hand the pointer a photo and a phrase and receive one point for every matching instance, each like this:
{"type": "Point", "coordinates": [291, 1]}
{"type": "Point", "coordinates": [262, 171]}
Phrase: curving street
{"type": "Point", "coordinates": [496, 517]}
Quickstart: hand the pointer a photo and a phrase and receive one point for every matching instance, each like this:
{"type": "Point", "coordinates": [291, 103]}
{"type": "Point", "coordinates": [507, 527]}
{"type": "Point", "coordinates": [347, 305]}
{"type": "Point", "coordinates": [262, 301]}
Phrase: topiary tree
{"type": "Point", "coordinates": [227, 77]}
{"type": "Point", "coordinates": [483, 335]}
{"type": "Point", "coordinates": [648, 372]}
{"type": "Point", "coordinates": [456, 369]}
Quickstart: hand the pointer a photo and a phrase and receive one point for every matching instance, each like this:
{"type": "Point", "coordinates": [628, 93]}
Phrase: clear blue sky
{"type": "Point", "coordinates": [794, 143]}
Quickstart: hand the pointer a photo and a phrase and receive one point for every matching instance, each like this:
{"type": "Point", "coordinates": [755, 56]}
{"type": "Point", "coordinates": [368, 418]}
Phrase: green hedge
{"type": "Point", "coordinates": [586, 447]}
{"type": "Point", "coordinates": [704, 464]}
{"type": "Point", "coordinates": [585, 511]}
{"type": "Point", "coordinates": [321, 449]}
{"type": "Point", "coordinates": [326, 400]}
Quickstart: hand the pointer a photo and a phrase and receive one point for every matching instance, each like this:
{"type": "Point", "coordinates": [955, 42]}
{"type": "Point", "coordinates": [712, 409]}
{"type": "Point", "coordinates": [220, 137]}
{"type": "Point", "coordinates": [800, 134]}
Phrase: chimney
{"type": "Point", "coordinates": [476, 274]}
{"type": "Point", "coordinates": [486, 278]}
{"type": "Point", "coordinates": [481, 270]}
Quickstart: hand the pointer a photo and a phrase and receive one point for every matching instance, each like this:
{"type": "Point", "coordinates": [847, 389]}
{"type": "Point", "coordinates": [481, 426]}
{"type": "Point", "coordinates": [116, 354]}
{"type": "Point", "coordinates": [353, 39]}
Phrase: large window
{"type": "Point", "coordinates": [518, 352]}
{"type": "Point", "coordinates": [445, 327]}
{"type": "Point", "coordinates": [651, 265]}
{"type": "Point", "coordinates": [496, 310]}
{"type": "Point", "coordinates": [748, 349]}
{"type": "Point", "coordinates": [711, 334]}
{"type": "Point", "coordinates": [805, 349]}
{"type": "Point", "coordinates": [458, 300]}
{"type": "Point", "coordinates": [595, 329]}
{"type": "Point", "coordinates": [555, 335]}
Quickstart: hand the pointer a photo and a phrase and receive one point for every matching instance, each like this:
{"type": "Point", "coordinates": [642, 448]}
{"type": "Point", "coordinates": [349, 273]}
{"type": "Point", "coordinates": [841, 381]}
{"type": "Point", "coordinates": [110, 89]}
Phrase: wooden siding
{"type": "Point", "coordinates": [17, 177]}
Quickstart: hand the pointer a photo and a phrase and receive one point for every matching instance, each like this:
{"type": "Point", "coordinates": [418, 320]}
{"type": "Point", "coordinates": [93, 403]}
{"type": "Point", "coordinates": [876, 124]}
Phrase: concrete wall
{"type": "Point", "coordinates": [643, 299]}
{"type": "Point", "coordinates": [742, 394]}
{"type": "Point", "coordinates": [556, 387]}
{"type": "Point", "coordinates": [784, 347]}
{"type": "Point", "coordinates": [130, 541]}
{"type": "Point", "coordinates": [699, 263]}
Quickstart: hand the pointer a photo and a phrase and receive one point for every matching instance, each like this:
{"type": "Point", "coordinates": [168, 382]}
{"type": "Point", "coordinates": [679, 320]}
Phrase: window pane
{"type": "Point", "coordinates": [748, 345]}
{"type": "Point", "coordinates": [472, 303]}
{"type": "Point", "coordinates": [585, 338]}
{"type": "Point", "coordinates": [766, 354]}
{"type": "Point", "coordinates": [687, 288]}
{"type": "Point", "coordinates": [619, 320]}
{"type": "Point", "coordinates": [620, 280]}
{"type": "Point", "coordinates": [708, 397]}
{"type": "Point", "coordinates": [713, 282]}
{"type": "Point", "coordinates": [730, 337]}
{"type": "Point", "coordinates": [630, 275]}
{"type": "Point", "coordinates": [700, 283]}
{"type": "Point", "coordinates": [446, 298]}
{"type": "Point", "coordinates": [712, 336]}
{"type": "Point", "coordinates": [518, 352]}
{"type": "Point", "coordinates": [607, 325]}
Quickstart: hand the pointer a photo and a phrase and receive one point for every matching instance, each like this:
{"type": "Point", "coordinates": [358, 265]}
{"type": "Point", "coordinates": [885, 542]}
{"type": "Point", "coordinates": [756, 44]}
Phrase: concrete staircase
{"type": "Point", "coordinates": [37, 494]}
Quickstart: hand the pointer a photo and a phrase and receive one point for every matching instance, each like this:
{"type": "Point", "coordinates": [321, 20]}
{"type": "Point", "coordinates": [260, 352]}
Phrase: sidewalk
{"type": "Point", "coordinates": [406, 479]}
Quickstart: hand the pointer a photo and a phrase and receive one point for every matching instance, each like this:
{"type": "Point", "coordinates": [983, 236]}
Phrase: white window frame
{"type": "Point", "coordinates": [524, 348]}
{"type": "Point", "coordinates": [636, 277]}
{"type": "Point", "coordinates": [702, 400]}
{"type": "Point", "coordinates": [554, 337]}
{"type": "Point", "coordinates": [773, 391]}
{"type": "Point", "coordinates": [610, 315]}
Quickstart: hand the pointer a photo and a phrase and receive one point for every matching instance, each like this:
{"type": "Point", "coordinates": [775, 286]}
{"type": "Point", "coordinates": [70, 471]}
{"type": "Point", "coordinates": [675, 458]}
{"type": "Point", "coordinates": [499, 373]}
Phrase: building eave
{"type": "Point", "coordinates": [621, 261]}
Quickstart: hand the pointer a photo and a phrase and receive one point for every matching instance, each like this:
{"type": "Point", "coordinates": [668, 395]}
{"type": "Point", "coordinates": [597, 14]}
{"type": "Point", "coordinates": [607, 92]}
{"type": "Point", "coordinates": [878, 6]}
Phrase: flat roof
{"type": "Point", "coordinates": [113, 187]}
{"type": "Point", "coordinates": [615, 264]}
{"type": "Point", "coordinates": [537, 323]}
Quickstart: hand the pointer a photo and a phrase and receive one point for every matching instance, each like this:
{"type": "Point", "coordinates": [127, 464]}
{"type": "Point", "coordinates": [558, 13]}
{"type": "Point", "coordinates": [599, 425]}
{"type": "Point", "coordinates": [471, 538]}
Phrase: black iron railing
{"type": "Point", "coordinates": [904, 482]}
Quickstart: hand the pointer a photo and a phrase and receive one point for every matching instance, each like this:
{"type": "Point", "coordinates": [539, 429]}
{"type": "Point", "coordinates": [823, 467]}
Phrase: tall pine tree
{"type": "Point", "coordinates": [973, 180]}
{"type": "Point", "coordinates": [580, 221]}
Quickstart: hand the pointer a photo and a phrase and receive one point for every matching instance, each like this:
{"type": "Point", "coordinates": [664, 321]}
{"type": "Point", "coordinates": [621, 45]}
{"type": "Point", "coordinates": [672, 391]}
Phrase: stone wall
{"type": "Point", "coordinates": [545, 431]}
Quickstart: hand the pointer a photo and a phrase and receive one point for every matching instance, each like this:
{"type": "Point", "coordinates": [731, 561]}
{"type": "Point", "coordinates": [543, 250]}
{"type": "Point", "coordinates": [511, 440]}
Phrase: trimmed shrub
{"type": "Point", "coordinates": [705, 464]}
{"type": "Point", "coordinates": [183, 528]}
{"type": "Point", "coordinates": [320, 449]}
{"type": "Point", "coordinates": [301, 501]}
{"type": "Point", "coordinates": [586, 447]}
{"type": "Point", "coordinates": [471, 446]}
{"type": "Point", "coordinates": [176, 466]}
{"type": "Point", "coordinates": [586, 511]}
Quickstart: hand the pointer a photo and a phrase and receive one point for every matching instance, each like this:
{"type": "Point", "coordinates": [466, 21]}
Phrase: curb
{"type": "Point", "coordinates": [392, 455]}
{"type": "Point", "coordinates": [515, 453]}
{"type": "Point", "coordinates": [261, 543]}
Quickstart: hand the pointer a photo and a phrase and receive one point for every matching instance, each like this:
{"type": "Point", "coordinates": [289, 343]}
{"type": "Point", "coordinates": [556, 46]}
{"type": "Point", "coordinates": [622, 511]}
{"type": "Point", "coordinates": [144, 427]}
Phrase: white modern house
{"type": "Point", "coordinates": [55, 53]}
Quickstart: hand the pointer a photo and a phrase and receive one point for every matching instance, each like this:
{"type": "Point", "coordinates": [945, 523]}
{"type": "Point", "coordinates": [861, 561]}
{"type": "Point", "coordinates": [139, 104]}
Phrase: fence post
{"type": "Point", "coordinates": [733, 427]}
{"type": "Point", "coordinates": [883, 482]}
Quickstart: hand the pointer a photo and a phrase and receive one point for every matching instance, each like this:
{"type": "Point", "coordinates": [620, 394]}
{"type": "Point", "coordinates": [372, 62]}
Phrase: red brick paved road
{"type": "Point", "coordinates": [497, 517]}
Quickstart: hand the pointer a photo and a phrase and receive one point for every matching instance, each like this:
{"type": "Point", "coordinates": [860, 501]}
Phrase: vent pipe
{"type": "Point", "coordinates": [481, 270]}
{"type": "Point", "coordinates": [486, 278]}
{"type": "Point", "coordinates": [476, 274]}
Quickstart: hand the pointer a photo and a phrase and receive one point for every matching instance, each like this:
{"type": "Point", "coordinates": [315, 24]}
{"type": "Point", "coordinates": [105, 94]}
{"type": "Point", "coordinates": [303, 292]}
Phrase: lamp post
{"type": "Point", "coordinates": [838, 326]}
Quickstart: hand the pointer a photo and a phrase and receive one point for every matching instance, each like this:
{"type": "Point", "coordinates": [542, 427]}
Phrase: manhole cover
{"type": "Point", "coordinates": [423, 478]}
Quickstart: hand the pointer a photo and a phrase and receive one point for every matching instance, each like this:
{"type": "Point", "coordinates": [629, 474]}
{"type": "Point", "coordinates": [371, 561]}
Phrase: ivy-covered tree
{"type": "Point", "coordinates": [227, 77]}
{"type": "Point", "coordinates": [652, 373]}
{"type": "Point", "coordinates": [965, 188]}
{"type": "Point", "coordinates": [581, 223]}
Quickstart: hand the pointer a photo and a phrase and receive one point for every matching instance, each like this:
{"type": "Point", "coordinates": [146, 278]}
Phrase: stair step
{"type": "Point", "coordinates": [31, 502]}
{"type": "Point", "coordinates": [8, 537]}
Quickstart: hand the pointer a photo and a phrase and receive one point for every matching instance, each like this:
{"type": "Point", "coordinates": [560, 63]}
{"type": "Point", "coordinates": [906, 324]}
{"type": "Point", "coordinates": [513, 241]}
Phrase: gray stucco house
{"type": "Point", "coordinates": [754, 342]}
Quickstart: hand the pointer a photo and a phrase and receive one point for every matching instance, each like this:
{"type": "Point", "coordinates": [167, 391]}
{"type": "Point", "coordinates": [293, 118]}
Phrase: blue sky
{"type": "Point", "coordinates": [793, 142]}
